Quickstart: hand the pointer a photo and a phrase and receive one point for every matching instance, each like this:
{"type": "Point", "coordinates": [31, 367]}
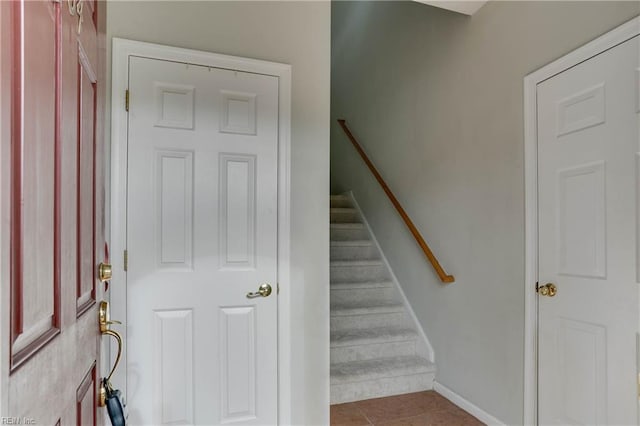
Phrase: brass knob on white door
{"type": "Point", "coordinates": [263, 291]}
{"type": "Point", "coordinates": [548, 289]}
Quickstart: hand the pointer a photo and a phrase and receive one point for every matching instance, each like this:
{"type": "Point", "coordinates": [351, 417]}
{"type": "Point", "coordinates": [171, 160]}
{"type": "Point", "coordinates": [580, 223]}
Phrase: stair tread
{"type": "Point", "coordinates": [358, 371]}
{"type": "Point", "coordinates": [366, 336]}
{"type": "Point", "coordinates": [347, 225]}
{"type": "Point", "coordinates": [352, 243]}
{"type": "Point", "coordinates": [344, 309]}
{"type": "Point", "coordinates": [356, 262]}
{"type": "Point", "coordinates": [337, 201]}
{"type": "Point", "coordinates": [355, 285]}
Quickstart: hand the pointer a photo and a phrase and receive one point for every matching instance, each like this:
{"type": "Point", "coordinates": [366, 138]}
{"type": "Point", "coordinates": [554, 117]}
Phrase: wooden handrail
{"type": "Point", "coordinates": [414, 231]}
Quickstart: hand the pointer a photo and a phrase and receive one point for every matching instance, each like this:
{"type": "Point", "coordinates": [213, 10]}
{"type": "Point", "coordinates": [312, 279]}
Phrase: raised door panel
{"type": "Point", "coordinates": [581, 221]}
{"type": "Point", "coordinates": [173, 367]}
{"type": "Point", "coordinates": [238, 112]}
{"type": "Point", "coordinates": [237, 211]}
{"type": "Point", "coordinates": [238, 363]}
{"type": "Point", "coordinates": [582, 368]}
{"type": "Point", "coordinates": [581, 110]}
{"type": "Point", "coordinates": [35, 272]}
{"type": "Point", "coordinates": [174, 105]}
{"type": "Point", "coordinates": [174, 209]}
{"type": "Point", "coordinates": [86, 412]}
{"type": "Point", "coordinates": [86, 137]}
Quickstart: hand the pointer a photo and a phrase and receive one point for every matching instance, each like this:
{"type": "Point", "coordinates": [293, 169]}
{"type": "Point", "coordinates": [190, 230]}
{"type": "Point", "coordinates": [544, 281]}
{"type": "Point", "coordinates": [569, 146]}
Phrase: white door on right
{"type": "Point", "coordinates": [588, 171]}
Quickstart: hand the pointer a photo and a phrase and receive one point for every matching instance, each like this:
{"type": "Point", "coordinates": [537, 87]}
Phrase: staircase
{"type": "Point", "coordinates": [376, 348]}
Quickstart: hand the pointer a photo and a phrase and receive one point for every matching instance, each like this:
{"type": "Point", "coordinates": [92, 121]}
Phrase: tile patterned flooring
{"type": "Point", "coordinates": [413, 409]}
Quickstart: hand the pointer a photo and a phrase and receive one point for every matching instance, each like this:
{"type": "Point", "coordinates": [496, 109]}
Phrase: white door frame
{"type": "Point", "coordinates": [122, 50]}
{"type": "Point", "coordinates": [609, 40]}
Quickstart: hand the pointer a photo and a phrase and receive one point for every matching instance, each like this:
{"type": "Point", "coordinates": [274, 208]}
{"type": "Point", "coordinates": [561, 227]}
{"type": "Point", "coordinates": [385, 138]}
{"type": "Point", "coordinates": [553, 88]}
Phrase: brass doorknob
{"type": "Point", "coordinates": [263, 291]}
{"type": "Point", "coordinates": [104, 321]}
{"type": "Point", "coordinates": [548, 289]}
{"type": "Point", "coordinates": [104, 272]}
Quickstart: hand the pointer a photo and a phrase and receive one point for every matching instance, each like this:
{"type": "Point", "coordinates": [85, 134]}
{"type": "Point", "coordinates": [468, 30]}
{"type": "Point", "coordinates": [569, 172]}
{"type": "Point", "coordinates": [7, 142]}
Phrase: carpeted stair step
{"type": "Point", "coordinates": [384, 318]}
{"type": "Point", "coordinates": [337, 201]}
{"type": "Point", "coordinates": [360, 284]}
{"type": "Point", "coordinates": [348, 232]}
{"type": "Point", "coordinates": [365, 344]}
{"type": "Point", "coordinates": [357, 380]}
{"type": "Point", "coordinates": [360, 371]}
{"type": "Point", "coordinates": [371, 335]}
{"type": "Point", "coordinates": [358, 270]}
{"type": "Point", "coordinates": [358, 315]}
{"type": "Point", "coordinates": [340, 354]}
{"type": "Point", "coordinates": [373, 295]}
{"type": "Point", "coordinates": [341, 310]}
{"type": "Point", "coordinates": [344, 215]}
{"type": "Point", "coordinates": [353, 250]}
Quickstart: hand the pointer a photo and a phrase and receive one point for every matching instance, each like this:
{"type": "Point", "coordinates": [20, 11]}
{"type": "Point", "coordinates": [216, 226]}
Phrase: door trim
{"type": "Point", "coordinates": [122, 50]}
{"type": "Point", "coordinates": [607, 41]}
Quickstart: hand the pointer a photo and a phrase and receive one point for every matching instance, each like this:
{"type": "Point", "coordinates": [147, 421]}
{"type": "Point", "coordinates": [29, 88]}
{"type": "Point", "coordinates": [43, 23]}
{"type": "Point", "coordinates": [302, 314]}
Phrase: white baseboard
{"type": "Point", "coordinates": [472, 409]}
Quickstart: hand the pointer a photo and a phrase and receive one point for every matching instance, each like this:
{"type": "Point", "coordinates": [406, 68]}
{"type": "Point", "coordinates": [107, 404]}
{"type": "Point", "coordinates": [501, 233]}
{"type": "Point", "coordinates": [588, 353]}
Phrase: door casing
{"type": "Point", "coordinates": [611, 39]}
{"type": "Point", "coordinates": [122, 50]}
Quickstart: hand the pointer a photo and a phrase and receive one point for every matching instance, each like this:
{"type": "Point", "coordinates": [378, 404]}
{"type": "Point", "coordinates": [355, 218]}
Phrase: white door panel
{"type": "Point", "coordinates": [587, 145]}
{"type": "Point", "coordinates": [201, 234]}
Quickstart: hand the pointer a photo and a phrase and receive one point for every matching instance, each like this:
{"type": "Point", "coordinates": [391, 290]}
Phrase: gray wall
{"type": "Point", "coordinates": [436, 99]}
{"type": "Point", "coordinates": [296, 33]}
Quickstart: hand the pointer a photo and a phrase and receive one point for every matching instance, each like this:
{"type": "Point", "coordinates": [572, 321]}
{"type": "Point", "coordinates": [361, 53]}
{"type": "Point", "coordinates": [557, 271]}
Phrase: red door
{"type": "Point", "coordinates": [52, 193]}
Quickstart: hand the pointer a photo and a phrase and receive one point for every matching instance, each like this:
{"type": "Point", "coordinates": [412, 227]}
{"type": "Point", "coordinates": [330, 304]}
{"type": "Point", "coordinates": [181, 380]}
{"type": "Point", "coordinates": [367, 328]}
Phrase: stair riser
{"type": "Point", "coordinates": [340, 202]}
{"type": "Point", "coordinates": [348, 234]}
{"type": "Point", "coordinates": [368, 321]}
{"type": "Point", "coordinates": [349, 392]}
{"type": "Point", "coordinates": [372, 351]}
{"type": "Point", "coordinates": [354, 252]}
{"type": "Point", "coordinates": [365, 295]}
{"type": "Point", "coordinates": [345, 217]}
{"type": "Point", "coordinates": [358, 273]}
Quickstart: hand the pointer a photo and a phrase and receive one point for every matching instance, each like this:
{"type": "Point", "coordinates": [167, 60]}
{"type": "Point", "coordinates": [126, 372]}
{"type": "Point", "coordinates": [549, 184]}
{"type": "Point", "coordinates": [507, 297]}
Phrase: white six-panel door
{"type": "Point", "coordinates": [588, 165]}
{"type": "Point", "coordinates": [201, 234]}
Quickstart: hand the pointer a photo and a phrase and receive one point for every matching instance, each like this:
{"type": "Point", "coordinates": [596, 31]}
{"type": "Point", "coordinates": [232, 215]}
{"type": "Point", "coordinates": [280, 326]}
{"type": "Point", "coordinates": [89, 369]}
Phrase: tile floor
{"type": "Point", "coordinates": [413, 409]}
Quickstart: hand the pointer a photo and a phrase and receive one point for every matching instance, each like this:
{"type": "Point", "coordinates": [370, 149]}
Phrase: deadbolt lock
{"type": "Point", "coordinates": [104, 272]}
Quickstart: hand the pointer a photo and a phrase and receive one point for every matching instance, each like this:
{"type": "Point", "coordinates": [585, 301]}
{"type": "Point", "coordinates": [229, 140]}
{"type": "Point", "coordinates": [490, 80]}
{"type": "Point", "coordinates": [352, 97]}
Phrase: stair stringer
{"type": "Point", "coordinates": [423, 345]}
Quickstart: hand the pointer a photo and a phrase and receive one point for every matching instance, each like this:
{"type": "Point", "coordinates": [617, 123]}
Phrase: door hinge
{"type": "Point", "coordinates": [126, 100]}
{"type": "Point", "coordinates": [126, 260]}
